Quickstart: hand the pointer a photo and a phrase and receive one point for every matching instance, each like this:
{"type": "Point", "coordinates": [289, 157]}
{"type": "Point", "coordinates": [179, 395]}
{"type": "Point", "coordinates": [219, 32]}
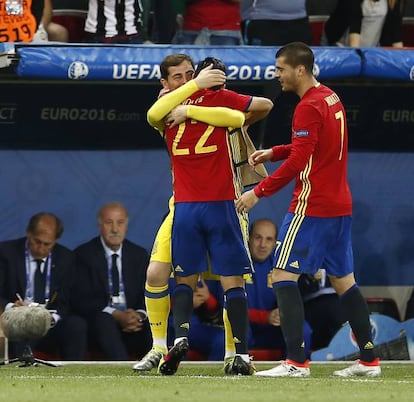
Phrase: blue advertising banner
{"type": "Point", "coordinates": [394, 64]}
{"type": "Point", "coordinates": [141, 62]}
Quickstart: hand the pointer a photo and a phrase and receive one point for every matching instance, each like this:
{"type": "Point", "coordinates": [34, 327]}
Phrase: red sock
{"type": "Point", "coordinates": [375, 362]}
{"type": "Point", "coordinates": [293, 363]}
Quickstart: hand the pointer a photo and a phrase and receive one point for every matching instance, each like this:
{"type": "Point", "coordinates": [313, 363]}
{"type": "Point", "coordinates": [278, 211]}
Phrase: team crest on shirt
{"type": "Point", "coordinates": [301, 133]}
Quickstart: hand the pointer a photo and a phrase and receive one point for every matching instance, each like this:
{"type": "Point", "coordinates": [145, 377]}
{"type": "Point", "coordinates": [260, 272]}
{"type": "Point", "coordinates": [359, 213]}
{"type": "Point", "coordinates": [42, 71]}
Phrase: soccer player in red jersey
{"type": "Point", "coordinates": [316, 232]}
{"type": "Point", "coordinates": [205, 218]}
{"type": "Point", "coordinates": [176, 70]}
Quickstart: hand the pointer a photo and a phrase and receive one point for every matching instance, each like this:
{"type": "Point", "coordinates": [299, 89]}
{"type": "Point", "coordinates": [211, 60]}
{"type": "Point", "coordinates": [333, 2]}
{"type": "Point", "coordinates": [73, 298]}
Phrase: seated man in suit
{"type": "Point", "coordinates": [35, 269]}
{"type": "Point", "coordinates": [109, 291]}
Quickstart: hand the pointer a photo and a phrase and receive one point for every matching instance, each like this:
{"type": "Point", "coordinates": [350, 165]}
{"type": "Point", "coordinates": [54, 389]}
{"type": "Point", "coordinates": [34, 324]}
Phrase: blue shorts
{"type": "Point", "coordinates": [210, 228]}
{"type": "Point", "coordinates": [306, 244]}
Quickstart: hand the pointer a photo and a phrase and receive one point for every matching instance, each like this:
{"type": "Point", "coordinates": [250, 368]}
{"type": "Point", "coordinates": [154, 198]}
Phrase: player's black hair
{"type": "Point", "coordinates": [217, 63]}
{"type": "Point", "coordinates": [297, 53]}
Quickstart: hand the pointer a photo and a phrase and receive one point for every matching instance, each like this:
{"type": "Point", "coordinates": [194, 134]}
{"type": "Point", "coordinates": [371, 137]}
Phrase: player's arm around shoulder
{"type": "Point", "coordinates": [169, 101]}
{"type": "Point", "coordinates": [207, 78]}
{"type": "Point", "coordinates": [217, 116]}
{"type": "Point", "coordinates": [259, 108]}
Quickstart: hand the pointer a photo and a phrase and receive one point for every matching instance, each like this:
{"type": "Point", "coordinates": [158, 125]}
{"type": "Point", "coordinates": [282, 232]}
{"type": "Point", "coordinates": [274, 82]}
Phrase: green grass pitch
{"type": "Point", "coordinates": [199, 382]}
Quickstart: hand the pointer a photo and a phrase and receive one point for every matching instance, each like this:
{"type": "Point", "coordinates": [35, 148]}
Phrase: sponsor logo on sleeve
{"type": "Point", "coordinates": [301, 133]}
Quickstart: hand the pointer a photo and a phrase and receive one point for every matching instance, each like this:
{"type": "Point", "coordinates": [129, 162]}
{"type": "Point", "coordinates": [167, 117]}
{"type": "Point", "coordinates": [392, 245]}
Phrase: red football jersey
{"type": "Point", "coordinates": [201, 158]}
{"type": "Point", "coordinates": [317, 158]}
{"type": "Point", "coordinates": [212, 14]}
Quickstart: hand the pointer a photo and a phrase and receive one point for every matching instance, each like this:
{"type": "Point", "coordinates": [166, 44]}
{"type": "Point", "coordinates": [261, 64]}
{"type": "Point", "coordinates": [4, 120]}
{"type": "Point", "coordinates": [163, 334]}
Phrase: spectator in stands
{"type": "Point", "coordinates": [49, 30]}
{"type": "Point", "coordinates": [265, 331]}
{"type": "Point", "coordinates": [275, 22]}
{"type": "Point", "coordinates": [18, 22]}
{"type": "Point", "coordinates": [320, 7]}
{"type": "Point", "coordinates": [110, 21]}
{"type": "Point", "coordinates": [210, 22]}
{"type": "Point", "coordinates": [161, 21]}
{"type": "Point", "coordinates": [323, 310]}
{"type": "Point", "coordinates": [109, 288]}
{"type": "Point", "coordinates": [37, 269]}
{"type": "Point", "coordinates": [365, 23]}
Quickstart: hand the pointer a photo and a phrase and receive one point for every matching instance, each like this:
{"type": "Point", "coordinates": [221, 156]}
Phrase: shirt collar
{"type": "Point", "coordinates": [108, 251]}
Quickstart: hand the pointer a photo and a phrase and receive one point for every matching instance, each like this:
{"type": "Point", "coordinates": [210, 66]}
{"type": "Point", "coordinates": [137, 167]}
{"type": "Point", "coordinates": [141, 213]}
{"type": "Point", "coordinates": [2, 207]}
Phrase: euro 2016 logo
{"type": "Point", "coordinates": [78, 70]}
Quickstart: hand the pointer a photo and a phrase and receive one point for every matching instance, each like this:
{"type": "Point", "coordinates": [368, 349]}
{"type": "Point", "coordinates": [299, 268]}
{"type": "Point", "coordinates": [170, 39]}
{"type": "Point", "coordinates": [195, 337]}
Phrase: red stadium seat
{"type": "Point", "coordinates": [257, 355]}
{"type": "Point", "coordinates": [45, 356]}
{"type": "Point", "coordinates": [193, 355]}
{"type": "Point", "coordinates": [385, 306]}
{"type": "Point", "coordinates": [408, 31]}
{"type": "Point", "coordinates": [317, 23]}
{"type": "Point", "coordinates": [73, 21]}
{"type": "Point", "coordinates": [266, 354]}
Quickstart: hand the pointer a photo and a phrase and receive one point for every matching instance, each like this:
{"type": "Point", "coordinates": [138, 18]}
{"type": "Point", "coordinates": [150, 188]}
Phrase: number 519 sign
{"type": "Point", "coordinates": [17, 23]}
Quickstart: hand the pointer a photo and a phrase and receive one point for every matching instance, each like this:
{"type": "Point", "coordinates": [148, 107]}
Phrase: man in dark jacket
{"type": "Point", "coordinates": [35, 269]}
{"type": "Point", "coordinates": [109, 290]}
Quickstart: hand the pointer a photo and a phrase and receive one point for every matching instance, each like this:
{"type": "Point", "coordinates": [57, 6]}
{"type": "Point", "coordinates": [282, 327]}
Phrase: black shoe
{"type": "Point", "coordinates": [239, 367]}
{"type": "Point", "coordinates": [170, 362]}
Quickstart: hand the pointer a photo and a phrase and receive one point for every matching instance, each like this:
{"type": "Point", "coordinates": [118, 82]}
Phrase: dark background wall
{"type": "Point", "coordinates": [74, 184]}
{"type": "Point", "coordinates": [68, 147]}
{"type": "Point", "coordinates": [112, 115]}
